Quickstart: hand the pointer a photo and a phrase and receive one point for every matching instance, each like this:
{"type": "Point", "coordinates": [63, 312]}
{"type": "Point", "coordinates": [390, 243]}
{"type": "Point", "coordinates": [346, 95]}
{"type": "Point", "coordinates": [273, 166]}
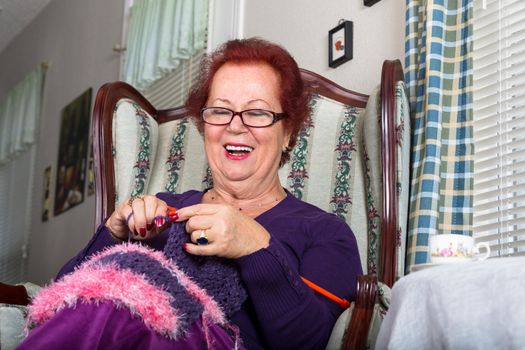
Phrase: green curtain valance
{"type": "Point", "coordinates": [161, 34]}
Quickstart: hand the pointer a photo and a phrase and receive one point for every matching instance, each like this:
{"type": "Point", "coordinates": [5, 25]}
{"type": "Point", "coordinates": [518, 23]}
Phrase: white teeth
{"type": "Point", "coordinates": [231, 148]}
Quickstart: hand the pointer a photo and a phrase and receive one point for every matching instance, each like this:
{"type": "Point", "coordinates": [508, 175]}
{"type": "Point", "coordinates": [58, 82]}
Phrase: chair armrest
{"type": "Point", "coordinates": [356, 334]}
{"type": "Point", "coordinates": [13, 294]}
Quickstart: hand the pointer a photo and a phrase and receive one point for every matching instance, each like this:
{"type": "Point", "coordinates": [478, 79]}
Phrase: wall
{"type": "Point", "coordinates": [77, 38]}
{"type": "Point", "coordinates": [302, 27]}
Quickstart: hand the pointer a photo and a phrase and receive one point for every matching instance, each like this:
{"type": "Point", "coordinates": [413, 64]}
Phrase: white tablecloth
{"type": "Point", "coordinates": [474, 305]}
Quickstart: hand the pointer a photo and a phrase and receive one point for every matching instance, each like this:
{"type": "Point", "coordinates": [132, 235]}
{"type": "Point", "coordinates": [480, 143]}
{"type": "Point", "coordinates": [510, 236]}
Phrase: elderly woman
{"type": "Point", "coordinates": [249, 105]}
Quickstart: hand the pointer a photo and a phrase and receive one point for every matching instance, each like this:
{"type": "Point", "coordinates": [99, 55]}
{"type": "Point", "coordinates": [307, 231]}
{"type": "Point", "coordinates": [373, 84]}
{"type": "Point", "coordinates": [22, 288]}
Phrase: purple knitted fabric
{"type": "Point", "coordinates": [168, 292]}
{"type": "Point", "coordinates": [218, 276]}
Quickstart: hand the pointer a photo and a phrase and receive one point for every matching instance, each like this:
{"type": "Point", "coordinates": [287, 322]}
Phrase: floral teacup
{"type": "Point", "coordinates": [449, 248]}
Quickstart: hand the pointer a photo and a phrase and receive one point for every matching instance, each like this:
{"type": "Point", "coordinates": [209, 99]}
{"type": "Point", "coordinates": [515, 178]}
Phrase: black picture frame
{"type": "Point", "coordinates": [340, 44]}
{"type": "Point", "coordinates": [370, 2]}
{"type": "Point", "coordinates": [72, 153]}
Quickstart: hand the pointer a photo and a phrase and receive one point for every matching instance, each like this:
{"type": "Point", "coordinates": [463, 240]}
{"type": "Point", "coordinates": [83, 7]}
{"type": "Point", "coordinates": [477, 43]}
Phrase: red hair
{"type": "Point", "coordinates": [293, 95]}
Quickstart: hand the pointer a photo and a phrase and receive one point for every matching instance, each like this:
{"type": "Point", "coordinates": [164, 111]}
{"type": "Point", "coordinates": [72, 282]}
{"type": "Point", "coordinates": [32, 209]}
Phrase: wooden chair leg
{"type": "Point", "coordinates": [356, 335]}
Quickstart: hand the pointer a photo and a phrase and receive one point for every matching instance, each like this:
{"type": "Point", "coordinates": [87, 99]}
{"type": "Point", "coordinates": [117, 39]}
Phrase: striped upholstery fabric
{"type": "Point", "coordinates": [403, 170]}
{"type": "Point", "coordinates": [333, 166]}
{"type": "Point", "coordinates": [438, 72]}
{"type": "Point", "coordinates": [373, 170]}
{"type": "Point", "coordinates": [336, 165]}
{"type": "Point", "coordinates": [325, 168]}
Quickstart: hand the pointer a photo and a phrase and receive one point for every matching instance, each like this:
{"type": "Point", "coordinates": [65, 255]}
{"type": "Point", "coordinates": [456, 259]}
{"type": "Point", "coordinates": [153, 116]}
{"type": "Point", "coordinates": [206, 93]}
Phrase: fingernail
{"type": "Point", "coordinates": [142, 231]}
{"type": "Point", "coordinates": [174, 217]}
{"type": "Point", "coordinates": [160, 221]}
{"type": "Point", "coordinates": [149, 226]}
{"type": "Point", "coordinates": [184, 246]}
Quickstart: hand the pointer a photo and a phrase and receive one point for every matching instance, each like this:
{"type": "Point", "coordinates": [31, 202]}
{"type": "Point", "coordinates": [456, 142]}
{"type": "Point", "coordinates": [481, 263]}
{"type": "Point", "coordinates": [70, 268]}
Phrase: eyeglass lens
{"type": "Point", "coordinates": [251, 117]}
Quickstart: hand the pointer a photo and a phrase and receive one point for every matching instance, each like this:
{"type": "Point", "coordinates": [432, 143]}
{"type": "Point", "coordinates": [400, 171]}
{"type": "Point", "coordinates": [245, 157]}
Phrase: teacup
{"type": "Point", "coordinates": [450, 248]}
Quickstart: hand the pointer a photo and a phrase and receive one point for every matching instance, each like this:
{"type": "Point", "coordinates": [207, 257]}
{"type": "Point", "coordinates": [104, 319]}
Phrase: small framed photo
{"type": "Point", "coordinates": [370, 2]}
{"type": "Point", "coordinates": [340, 44]}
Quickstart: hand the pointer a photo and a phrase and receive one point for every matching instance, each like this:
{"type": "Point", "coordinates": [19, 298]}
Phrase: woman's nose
{"type": "Point", "coordinates": [236, 124]}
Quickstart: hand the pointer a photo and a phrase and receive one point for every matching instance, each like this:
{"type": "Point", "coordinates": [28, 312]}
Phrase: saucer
{"type": "Point", "coordinates": [419, 267]}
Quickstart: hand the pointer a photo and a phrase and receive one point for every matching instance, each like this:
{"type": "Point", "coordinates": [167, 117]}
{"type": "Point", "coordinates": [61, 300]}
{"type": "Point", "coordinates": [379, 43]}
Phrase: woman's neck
{"type": "Point", "coordinates": [251, 202]}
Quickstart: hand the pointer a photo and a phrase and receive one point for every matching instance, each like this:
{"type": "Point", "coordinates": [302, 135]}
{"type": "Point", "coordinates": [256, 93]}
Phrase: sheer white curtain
{"type": "Point", "coordinates": [19, 123]}
{"type": "Point", "coordinates": [19, 115]}
{"type": "Point", "coordinates": [161, 34]}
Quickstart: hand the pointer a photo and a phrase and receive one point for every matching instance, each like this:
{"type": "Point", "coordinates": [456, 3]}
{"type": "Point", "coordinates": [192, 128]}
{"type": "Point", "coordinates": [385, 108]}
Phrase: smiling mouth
{"type": "Point", "coordinates": [238, 150]}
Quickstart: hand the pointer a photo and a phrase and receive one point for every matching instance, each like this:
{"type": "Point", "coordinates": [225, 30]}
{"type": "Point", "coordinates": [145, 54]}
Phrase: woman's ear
{"type": "Point", "coordinates": [286, 141]}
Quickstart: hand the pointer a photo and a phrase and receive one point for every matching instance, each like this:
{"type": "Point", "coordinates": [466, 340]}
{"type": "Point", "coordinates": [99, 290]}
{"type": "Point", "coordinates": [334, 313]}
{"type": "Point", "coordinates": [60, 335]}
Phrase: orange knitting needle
{"type": "Point", "coordinates": [343, 303]}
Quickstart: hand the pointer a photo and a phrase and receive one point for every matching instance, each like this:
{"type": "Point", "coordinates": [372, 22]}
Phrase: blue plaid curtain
{"type": "Point", "coordinates": [438, 62]}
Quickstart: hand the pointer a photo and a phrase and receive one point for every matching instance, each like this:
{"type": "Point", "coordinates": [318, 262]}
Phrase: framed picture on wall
{"type": "Point", "coordinates": [370, 2]}
{"type": "Point", "coordinates": [340, 44]}
{"type": "Point", "coordinates": [72, 153]}
{"type": "Point", "coordinates": [91, 171]}
{"type": "Point", "coordinates": [46, 200]}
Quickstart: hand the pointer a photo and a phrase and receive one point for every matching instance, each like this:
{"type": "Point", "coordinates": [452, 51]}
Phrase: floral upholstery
{"type": "Point", "coordinates": [403, 170]}
{"type": "Point", "coordinates": [325, 167]}
{"type": "Point", "coordinates": [373, 171]}
{"type": "Point", "coordinates": [335, 165]}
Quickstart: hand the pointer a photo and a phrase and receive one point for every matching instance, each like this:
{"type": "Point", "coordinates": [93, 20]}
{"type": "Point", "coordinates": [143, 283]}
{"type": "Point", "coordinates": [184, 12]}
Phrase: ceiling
{"type": "Point", "coordinates": [15, 15]}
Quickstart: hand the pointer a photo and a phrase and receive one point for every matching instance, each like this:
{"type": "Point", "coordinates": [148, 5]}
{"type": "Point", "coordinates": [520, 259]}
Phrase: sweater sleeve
{"type": "Point", "coordinates": [102, 237]}
{"type": "Point", "coordinates": [290, 314]}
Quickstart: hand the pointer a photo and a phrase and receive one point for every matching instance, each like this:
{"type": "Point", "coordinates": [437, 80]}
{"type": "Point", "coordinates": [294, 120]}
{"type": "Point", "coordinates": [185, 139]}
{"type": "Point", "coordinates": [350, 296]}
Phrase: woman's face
{"type": "Point", "coordinates": [236, 152]}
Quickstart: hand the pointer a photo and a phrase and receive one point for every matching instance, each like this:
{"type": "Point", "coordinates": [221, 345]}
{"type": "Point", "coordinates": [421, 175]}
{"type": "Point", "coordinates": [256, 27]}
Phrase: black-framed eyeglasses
{"type": "Point", "coordinates": [255, 118]}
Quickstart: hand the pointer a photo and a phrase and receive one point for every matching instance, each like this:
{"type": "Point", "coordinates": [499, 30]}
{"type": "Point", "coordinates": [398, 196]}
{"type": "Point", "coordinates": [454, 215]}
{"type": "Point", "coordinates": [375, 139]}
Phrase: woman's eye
{"type": "Point", "coordinates": [220, 111]}
{"type": "Point", "coordinates": [257, 113]}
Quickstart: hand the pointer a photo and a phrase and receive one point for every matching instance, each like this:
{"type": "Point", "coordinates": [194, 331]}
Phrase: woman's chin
{"type": "Point", "coordinates": [236, 176]}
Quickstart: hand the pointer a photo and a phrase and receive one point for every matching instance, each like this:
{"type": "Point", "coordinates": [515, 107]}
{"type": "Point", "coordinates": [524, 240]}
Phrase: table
{"type": "Point", "coordinates": [472, 305]}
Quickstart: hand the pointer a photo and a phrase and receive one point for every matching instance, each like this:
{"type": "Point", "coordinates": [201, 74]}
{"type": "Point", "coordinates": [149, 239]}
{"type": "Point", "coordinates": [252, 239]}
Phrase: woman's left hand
{"type": "Point", "coordinates": [230, 233]}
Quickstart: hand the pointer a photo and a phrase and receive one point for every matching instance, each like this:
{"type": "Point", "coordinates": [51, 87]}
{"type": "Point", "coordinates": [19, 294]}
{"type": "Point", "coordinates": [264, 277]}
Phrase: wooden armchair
{"type": "Point", "coordinates": [139, 149]}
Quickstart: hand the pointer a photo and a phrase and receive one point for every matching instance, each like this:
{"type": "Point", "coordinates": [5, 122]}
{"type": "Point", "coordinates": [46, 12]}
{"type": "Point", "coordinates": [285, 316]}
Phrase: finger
{"type": "Point", "coordinates": [203, 250]}
{"type": "Point", "coordinates": [201, 222]}
{"type": "Point", "coordinates": [152, 205]}
{"type": "Point", "coordinates": [118, 223]}
{"type": "Point", "coordinates": [200, 237]}
{"type": "Point", "coordinates": [163, 218]}
{"type": "Point", "coordinates": [139, 217]}
{"type": "Point", "coordinates": [197, 209]}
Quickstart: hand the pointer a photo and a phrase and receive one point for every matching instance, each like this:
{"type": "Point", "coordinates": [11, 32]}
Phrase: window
{"type": "Point", "coordinates": [499, 125]}
{"type": "Point", "coordinates": [224, 23]}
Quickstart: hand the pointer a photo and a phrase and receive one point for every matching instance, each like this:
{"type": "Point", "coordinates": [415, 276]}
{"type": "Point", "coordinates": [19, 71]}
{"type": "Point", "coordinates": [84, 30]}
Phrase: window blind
{"type": "Point", "coordinates": [172, 90]}
{"type": "Point", "coordinates": [499, 125]}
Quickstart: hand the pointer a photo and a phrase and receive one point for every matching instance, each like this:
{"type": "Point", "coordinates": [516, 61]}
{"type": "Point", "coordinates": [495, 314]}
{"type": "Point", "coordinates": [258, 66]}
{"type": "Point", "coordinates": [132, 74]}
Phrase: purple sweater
{"type": "Point", "coordinates": [281, 311]}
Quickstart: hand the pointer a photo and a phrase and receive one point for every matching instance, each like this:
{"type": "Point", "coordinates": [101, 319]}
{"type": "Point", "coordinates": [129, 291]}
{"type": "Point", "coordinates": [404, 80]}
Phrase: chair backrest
{"type": "Point", "coordinates": [345, 160]}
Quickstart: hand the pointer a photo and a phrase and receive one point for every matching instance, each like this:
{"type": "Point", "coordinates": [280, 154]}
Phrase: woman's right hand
{"type": "Point", "coordinates": [138, 216]}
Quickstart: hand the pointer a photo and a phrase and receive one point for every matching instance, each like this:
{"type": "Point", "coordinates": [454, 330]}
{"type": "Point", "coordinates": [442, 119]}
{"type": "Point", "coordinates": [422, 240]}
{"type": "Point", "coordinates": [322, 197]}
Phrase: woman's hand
{"type": "Point", "coordinates": [137, 215]}
{"type": "Point", "coordinates": [230, 233]}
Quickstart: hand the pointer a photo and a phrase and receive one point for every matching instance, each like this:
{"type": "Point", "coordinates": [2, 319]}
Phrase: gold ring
{"type": "Point", "coordinates": [132, 198]}
{"type": "Point", "coordinates": [203, 239]}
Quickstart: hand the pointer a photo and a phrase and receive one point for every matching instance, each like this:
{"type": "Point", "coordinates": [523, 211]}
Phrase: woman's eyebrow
{"type": "Point", "coordinates": [226, 101]}
{"type": "Point", "coordinates": [222, 100]}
